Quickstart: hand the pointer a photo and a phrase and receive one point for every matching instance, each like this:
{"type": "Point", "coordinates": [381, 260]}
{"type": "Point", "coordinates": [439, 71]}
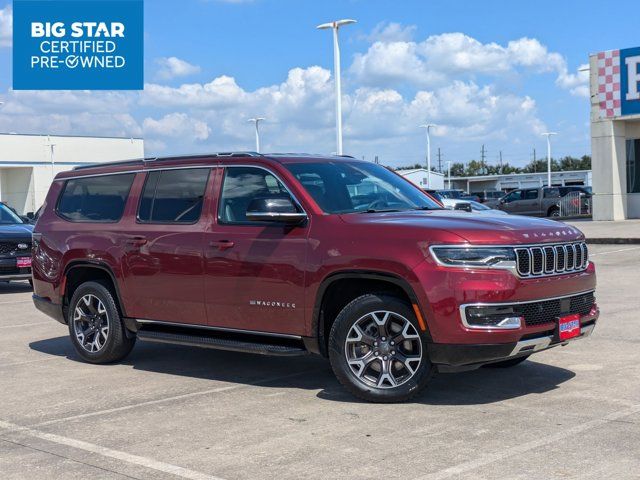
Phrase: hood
{"type": "Point", "coordinates": [16, 232]}
{"type": "Point", "coordinates": [474, 228]}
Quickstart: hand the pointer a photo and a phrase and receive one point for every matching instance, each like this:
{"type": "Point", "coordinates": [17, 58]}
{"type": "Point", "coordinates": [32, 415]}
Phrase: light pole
{"type": "Point", "coordinates": [428, 127]}
{"type": "Point", "coordinates": [335, 26]}
{"type": "Point", "coordinates": [257, 121]}
{"type": "Point", "coordinates": [449, 173]}
{"type": "Point", "coordinates": [548, 135]}
{"type": "Point", "coordinates": [51, 155]}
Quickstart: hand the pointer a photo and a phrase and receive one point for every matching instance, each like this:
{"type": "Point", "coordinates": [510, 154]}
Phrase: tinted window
{"type": "Point", "coordinates": [351, 187]}
{"type": "Point", "coordinates": [173, 196]}
{"type": "Point", "coordinates": [7, 216]}
{"type": "Point", "coordinates": [531, 194]}
{"type": "Point", "coordinates": [551, 192]}
{"type": "Point", "coordinates": [242, 185]}
{"type": "Point", "coordinates": [513, 196]}
{"type": "Point", "coordinates": [95, 199]}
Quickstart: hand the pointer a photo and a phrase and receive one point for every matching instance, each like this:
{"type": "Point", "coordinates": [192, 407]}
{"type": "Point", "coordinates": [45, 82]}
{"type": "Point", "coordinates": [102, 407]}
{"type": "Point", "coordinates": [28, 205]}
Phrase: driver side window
{"type": "Point", "coordinates": [513, 196]}
{"type": "Point", "coordinates": [240, 187]}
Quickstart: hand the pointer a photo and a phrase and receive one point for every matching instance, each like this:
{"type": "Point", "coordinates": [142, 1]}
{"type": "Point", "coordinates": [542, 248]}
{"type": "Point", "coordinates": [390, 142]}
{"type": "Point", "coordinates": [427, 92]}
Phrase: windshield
{"type": "Point", "coordinates": [453, 194]}
{"type": "Point", "coordinates": [353, 187]}
{"type": "Point", "coordinates": [478, 206]}
{"type": "Point", "coordinates": [7, 217]}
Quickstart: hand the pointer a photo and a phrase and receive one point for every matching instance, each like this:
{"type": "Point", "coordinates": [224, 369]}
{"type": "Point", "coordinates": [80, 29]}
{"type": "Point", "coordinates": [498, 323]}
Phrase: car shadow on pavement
{"type": "Point", "coordinates": [14, 287]}
{"type": "Point", "coordinates": [482, 386]}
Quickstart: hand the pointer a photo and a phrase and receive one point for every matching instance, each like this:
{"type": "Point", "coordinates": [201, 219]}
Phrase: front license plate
{"type": "Point", "coordinates": [23, 262]}
{"type": "Point", "coordinates": [569, 327]}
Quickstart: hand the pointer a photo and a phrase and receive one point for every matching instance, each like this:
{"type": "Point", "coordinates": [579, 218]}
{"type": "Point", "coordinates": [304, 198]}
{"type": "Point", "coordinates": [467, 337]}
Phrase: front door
{"type": "Point", "coordinates": [255, 272]}
{"type": "Point", "coordinates": [164, 275]}
{"type": "Point", "coordinates": [512, 202]}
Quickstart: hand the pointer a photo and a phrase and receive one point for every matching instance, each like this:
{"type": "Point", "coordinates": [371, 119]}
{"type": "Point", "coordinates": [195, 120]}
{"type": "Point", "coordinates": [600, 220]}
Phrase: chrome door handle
{"type": "Point", "coordinates": [222, 244]}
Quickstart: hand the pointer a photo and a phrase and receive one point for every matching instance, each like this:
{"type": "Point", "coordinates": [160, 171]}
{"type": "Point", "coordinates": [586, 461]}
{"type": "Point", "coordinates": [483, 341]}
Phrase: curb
{"type": "Point", "coordinates": [613, 241]}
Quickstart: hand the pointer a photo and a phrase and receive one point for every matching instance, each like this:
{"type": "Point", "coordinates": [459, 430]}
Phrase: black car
{"type": "Point", "coordinates": [15, 246]}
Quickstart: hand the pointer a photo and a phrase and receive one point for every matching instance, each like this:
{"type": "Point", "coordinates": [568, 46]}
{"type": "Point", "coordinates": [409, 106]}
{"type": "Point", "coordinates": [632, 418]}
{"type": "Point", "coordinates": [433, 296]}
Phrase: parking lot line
{"type": "Point", "coordinates": [170, 399]}
{"type": "Point", "coordinates": [490, 458]}
{"type": "Point", "coordinates": [614, 251]}
{"type": "Point", "coordinates": [25, 325]}
{"type": "Point", "coordinates": [108, 452]}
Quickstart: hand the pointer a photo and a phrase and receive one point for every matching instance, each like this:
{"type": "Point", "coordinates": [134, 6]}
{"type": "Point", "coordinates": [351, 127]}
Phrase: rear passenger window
{"type": "Point", "coordinates": [173, 196]}
{"type": "Point", "coordinates": [95, 199]}
{"type": "Point", "coordinates": [531, 194]}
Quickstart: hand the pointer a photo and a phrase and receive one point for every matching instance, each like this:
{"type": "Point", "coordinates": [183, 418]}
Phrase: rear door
{"type": "Point", "coordinates": [164, 248]}
{"type": "Point", "coordinates": [255, 272]}
{"type": "Point", "coordinates": [530, 203]}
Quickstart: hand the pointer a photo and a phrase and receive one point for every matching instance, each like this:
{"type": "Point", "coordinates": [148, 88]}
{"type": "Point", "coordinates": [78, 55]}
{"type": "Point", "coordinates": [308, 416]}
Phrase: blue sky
{"type": "Point", "coordinates": [492, 72]}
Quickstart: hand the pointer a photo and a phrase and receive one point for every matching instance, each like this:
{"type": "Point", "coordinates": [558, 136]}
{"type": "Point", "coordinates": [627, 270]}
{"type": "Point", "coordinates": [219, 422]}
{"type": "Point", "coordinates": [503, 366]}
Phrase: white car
{"type": "Point", "coordinates": [470, 206]}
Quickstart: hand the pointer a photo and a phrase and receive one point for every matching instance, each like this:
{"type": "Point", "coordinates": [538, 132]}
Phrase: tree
{"type": "Point", "coordinates": [457, 170]}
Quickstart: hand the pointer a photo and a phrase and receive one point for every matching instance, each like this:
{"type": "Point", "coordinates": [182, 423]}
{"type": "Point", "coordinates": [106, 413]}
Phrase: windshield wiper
{"type": "Point", "coordinates": [427, 208]}
{"type": "Point", "coordinates": [373, 210]}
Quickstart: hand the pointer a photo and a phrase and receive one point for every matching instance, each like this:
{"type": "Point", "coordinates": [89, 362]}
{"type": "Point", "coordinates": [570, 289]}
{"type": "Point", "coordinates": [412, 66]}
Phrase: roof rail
{"type": "Point", "coordinates": [167, 158]}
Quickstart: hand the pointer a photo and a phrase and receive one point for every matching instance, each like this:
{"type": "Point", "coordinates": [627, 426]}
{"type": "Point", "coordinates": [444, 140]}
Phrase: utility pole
{"type": "Point", "coordinates": [501, 168]}
{"type": "Point", "coordinates": [449, 173]}
{"type": "Point", "coordinates": [483, 154]}
{"type": "Point", "coordinates": [439, 161]}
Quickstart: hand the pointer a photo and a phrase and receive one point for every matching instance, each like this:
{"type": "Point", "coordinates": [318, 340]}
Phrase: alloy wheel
{"type": "Point", "coordinates": [91, 323]}
{"type": "Point", "coordinates": [383, 349]}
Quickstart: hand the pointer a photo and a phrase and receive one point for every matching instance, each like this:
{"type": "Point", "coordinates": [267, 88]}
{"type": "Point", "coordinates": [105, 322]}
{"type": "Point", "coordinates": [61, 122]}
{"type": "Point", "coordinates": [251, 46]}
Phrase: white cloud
{"type": "Point", "coordinates": [437, 59]}
{"type": "Point", "coordinates": [173, 67]}
{"type": "Point", "coordinates": [6, 26]}
{"type": "Point", "coordinates": [177, 125]}
{"type": "Point", "coordinates": [577, 83]}
{"type": "Point", "coordinates": [391, 32]}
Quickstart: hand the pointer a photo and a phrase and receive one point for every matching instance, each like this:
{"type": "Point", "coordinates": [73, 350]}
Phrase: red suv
{"type": "Point", "coordinates": [295, 254]}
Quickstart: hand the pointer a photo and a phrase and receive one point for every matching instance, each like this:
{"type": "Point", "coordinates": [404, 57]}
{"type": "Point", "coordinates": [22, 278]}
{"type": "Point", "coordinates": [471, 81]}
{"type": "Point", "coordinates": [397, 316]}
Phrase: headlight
{"type": "Point", "coordinates": [484, 257]}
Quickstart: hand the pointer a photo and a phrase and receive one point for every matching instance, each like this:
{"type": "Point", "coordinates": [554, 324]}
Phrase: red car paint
{"type": "Point", "coordinates": [209, 273]}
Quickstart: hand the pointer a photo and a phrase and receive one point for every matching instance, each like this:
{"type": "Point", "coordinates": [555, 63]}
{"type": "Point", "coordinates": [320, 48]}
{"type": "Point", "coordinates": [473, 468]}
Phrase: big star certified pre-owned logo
{"type": "Point", "coordinates": [78, 45]}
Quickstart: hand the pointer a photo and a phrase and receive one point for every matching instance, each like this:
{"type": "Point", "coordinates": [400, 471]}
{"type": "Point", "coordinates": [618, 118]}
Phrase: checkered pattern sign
{"type": "Point", "coordinates": [609, 84]}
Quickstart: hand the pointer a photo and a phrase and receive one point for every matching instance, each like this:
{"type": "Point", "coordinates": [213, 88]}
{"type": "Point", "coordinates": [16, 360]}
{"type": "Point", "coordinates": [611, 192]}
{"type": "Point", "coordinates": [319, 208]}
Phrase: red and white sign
{"type": "Point", "coordinates": [569, 327]}
{"type": "Point", "coordinates": [23, 262]}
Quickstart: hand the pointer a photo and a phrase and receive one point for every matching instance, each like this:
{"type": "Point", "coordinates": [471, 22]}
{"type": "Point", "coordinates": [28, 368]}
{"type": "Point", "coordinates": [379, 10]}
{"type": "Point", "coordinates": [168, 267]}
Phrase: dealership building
{"type": "Point", "coordinates": [615, 133]}
{"type": "Point", "coordinates": [28, 163]}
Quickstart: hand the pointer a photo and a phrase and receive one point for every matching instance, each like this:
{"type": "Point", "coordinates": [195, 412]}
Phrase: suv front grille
{"type": "Point", "coordinates": [551, 259]}
{"type": "Point", "coordinates": [547, 311]}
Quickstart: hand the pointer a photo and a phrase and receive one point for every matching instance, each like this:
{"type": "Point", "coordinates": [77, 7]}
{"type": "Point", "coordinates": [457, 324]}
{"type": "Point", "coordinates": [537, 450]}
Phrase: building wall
{"type": "Point", "coordinates": [610, 131]}
{"type": "Point", "coordinates": [421, 178]}
{"type": "Point", "coordinates": [28, 163]}
{"type": "Point", "coordinates": [522, 180]}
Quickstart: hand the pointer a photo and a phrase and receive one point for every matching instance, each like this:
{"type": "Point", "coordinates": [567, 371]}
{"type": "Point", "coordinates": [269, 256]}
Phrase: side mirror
{"type": "Point", "coordinates": [276, 210]}
{"type": "Point", "coordinates": [463, 206]}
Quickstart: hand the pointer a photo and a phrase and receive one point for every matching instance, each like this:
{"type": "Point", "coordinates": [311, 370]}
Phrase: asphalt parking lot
{"type": "Point", "coordinates": [174, 412]}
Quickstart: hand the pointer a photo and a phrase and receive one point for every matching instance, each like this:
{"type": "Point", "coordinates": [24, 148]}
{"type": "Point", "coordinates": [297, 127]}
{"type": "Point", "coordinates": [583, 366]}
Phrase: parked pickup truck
{"type": "Point", "coordinates": [542, 202]}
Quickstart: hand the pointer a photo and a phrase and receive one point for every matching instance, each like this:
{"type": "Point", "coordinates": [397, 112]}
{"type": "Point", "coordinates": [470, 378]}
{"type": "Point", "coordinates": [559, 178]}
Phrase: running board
{"type": "Point", "coordinates": [232, 345]}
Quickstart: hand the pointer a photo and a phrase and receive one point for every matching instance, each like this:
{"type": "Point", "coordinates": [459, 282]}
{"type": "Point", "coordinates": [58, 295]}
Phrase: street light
{"type": "Point", "coordinates": [548, 135]}
{"type": "Point", "coordinates": [257, 121]}
{"type": "Point", "coordinates": [335, 26]}
{"type": "Point", "coordinates": [428, 127]}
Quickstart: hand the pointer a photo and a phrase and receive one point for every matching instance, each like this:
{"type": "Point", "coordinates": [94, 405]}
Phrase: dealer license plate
{"type": "Point", "coordinates": [569, 327]}
{"type": "Point", "coordinates": [23, 262]}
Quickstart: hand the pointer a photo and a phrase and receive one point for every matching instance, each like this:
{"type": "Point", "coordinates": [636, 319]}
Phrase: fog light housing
{"type": "Point", "coordinates": [494, 317]}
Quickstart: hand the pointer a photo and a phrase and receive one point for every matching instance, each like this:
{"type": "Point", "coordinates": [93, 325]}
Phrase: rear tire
{"type": "Point", "coordinates": [95, 327]}
{"type": "Point", "coordinates": [377, 350]}
{"type": "Point", "coordinates": [554, 212]}
{"type": "Point", "coordinates": [512, 362]}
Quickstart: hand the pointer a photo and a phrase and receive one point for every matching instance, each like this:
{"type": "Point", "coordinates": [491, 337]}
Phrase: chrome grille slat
{"type": "Point", "coordinates": [542, 260]}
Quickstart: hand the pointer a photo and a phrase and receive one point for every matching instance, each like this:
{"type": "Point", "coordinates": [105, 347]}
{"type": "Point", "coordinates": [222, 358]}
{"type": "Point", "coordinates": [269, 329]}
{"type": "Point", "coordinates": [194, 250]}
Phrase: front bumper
{"type": "Point", "coordinates": [49, 308]}
{"type": "Point", "coordinates": [473, 356]}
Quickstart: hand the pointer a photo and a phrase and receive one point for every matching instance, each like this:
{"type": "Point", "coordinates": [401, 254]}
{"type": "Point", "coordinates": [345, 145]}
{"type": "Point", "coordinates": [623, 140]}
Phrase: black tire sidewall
{"type": "Point", "coordinates": [117, 345]}
{"type": "Point", "coordinates": [339, 331]}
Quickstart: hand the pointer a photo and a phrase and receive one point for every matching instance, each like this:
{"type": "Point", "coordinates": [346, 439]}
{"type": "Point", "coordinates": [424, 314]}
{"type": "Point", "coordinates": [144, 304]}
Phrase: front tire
{"type": "Point", "coordinates": [377, 350]}
{"type": "Point", "coordinates": [95, 327]}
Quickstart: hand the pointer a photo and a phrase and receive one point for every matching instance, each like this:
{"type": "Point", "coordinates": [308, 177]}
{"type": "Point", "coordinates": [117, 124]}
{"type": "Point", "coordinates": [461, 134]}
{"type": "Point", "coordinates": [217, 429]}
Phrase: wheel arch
{"type": "Point", "coordinates": [366, 281]}
{"type": "Point", "coordinates": [81, 271]}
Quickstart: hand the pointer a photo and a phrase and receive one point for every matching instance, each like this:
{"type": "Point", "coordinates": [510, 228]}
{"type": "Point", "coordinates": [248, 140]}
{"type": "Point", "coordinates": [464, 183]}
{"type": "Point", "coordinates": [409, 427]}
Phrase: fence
{"type": "Point", "coordinates": [575, 204]}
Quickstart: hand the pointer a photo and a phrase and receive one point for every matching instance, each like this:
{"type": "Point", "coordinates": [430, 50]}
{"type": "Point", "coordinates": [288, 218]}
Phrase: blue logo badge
{"type": "Point", "coordinates": [78, 45]}
{"type": "Point", "coordinates": [630, 80]}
